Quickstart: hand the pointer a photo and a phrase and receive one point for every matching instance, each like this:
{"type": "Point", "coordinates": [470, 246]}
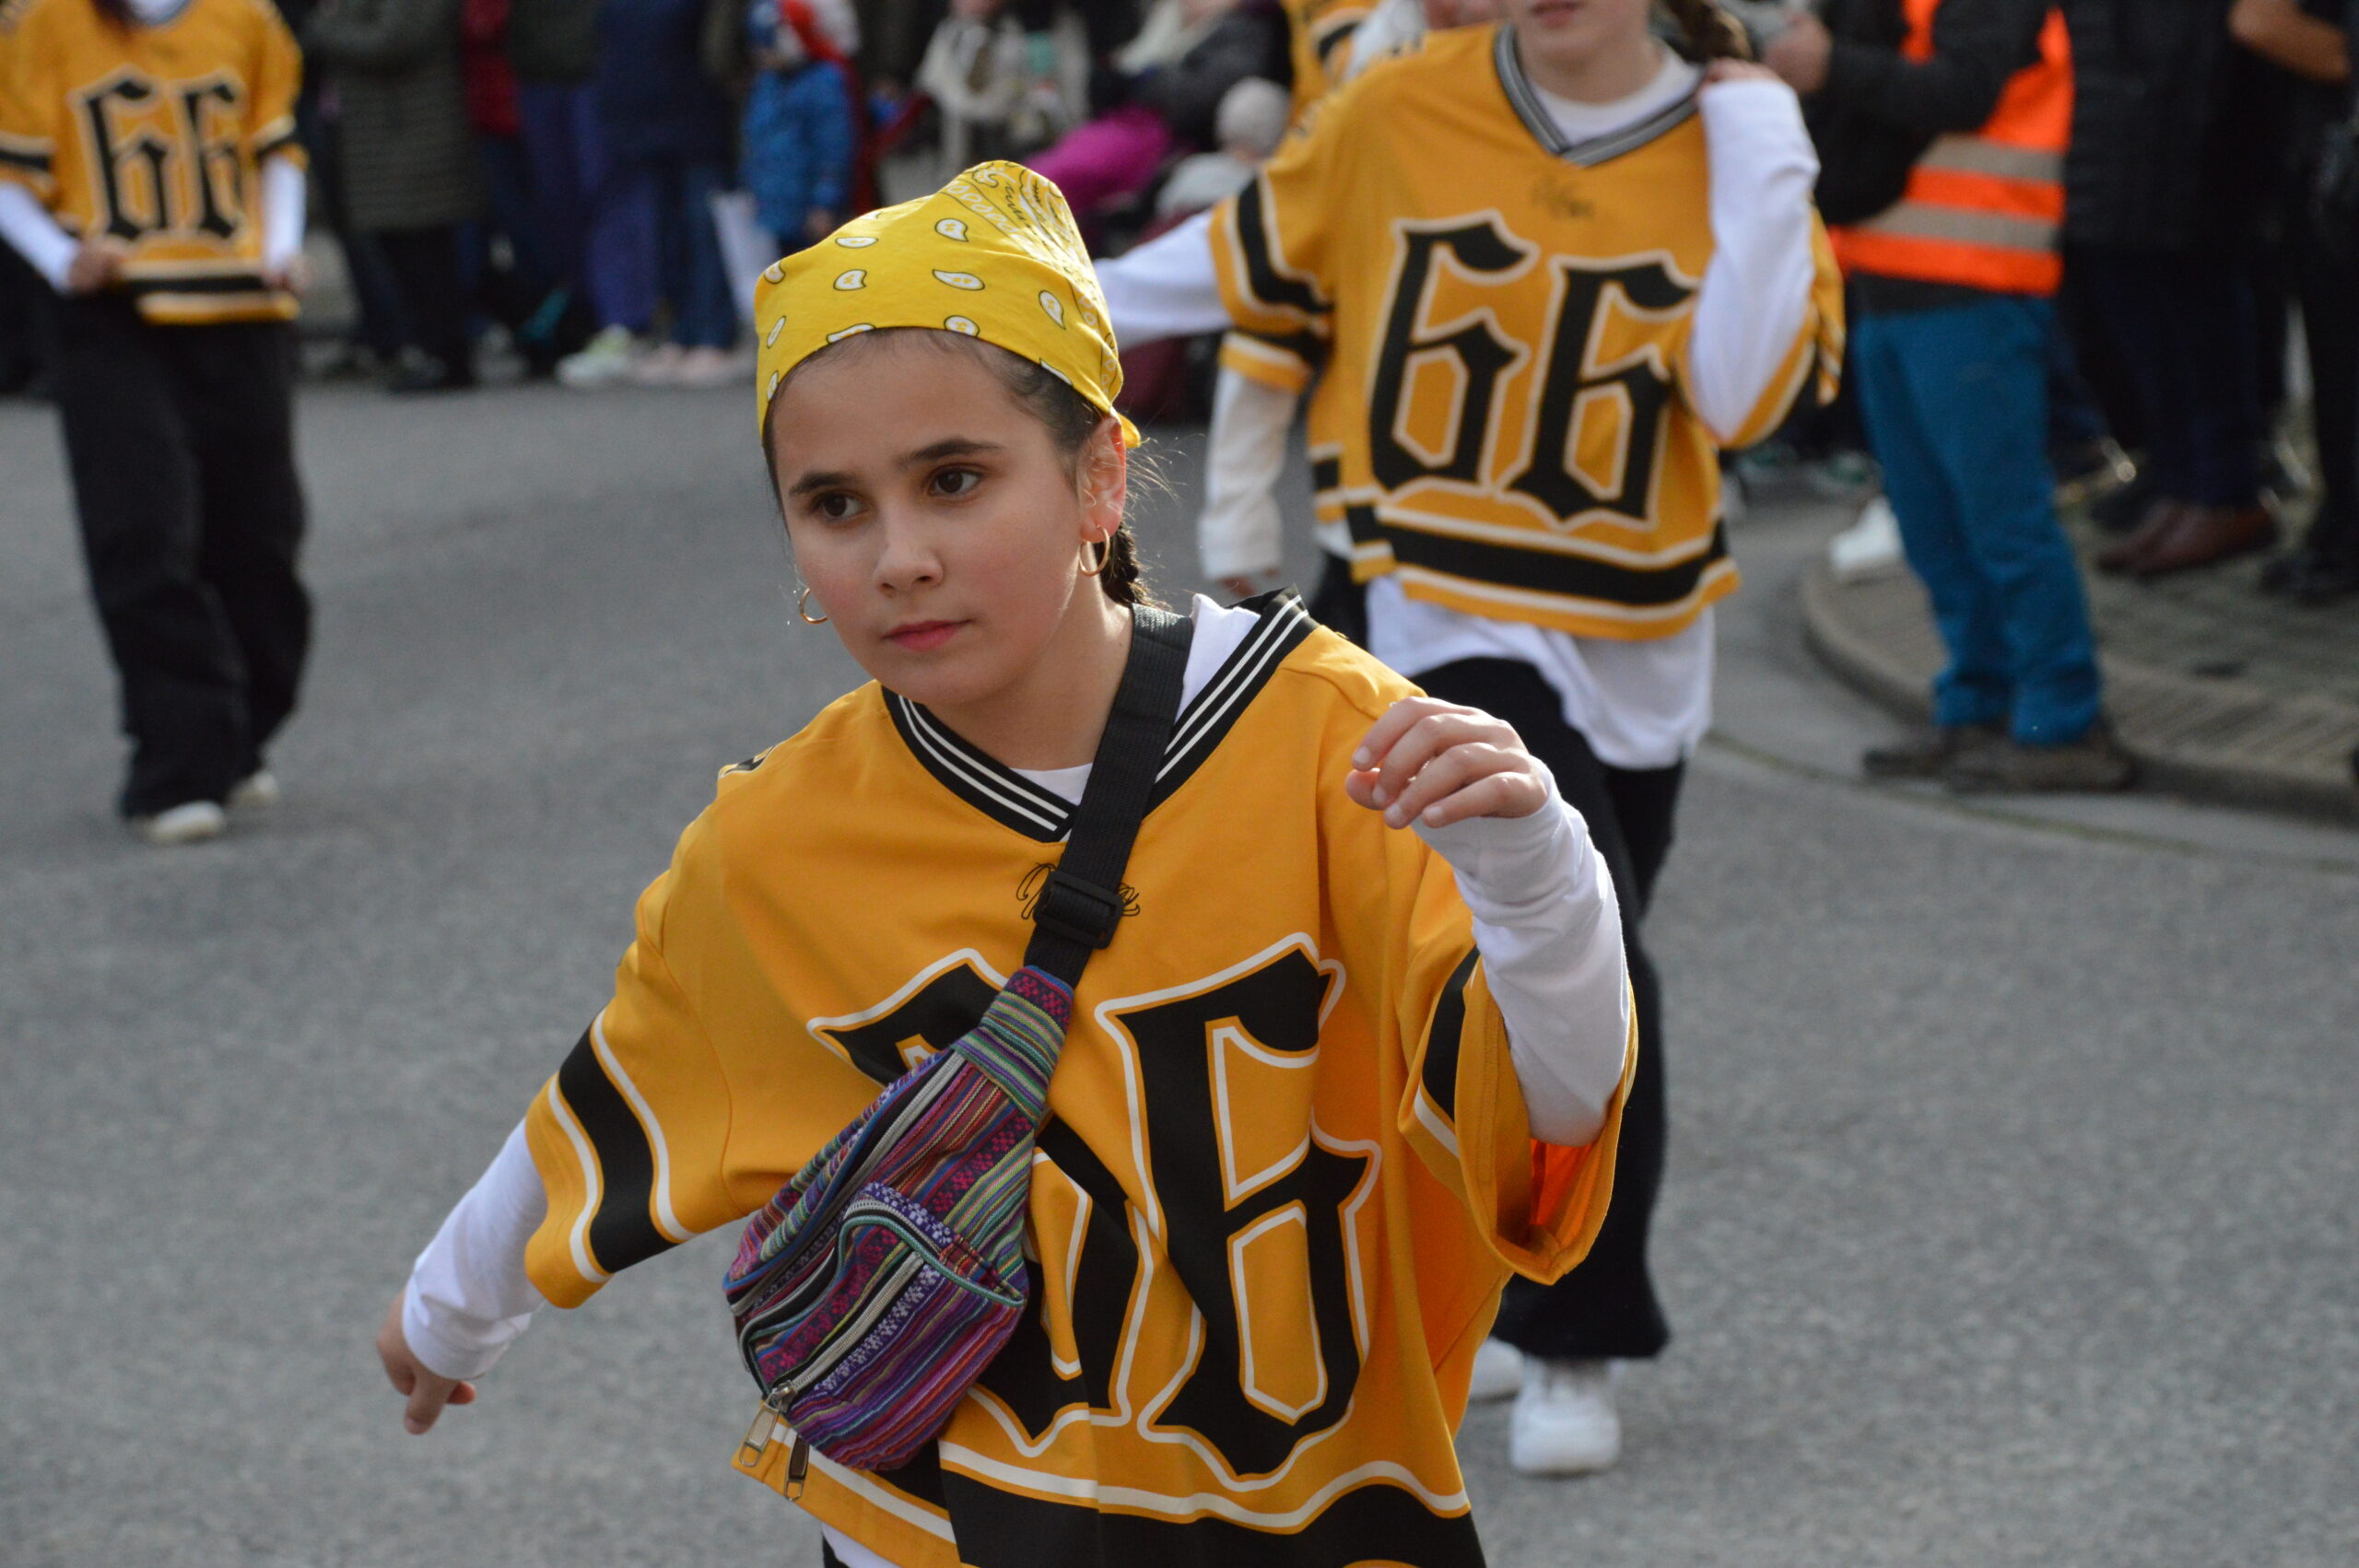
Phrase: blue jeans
{"type": "Point", "coordinates": [1956, 402]}
{"type": "Point", "coordinates": [566, 154]}
{"type": "Point", "coordinates": [653, 239]}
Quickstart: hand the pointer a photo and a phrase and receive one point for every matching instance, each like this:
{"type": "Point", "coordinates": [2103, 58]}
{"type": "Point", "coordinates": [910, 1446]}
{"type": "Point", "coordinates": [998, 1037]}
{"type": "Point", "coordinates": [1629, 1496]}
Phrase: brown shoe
{"type": "Point", "coordinates": [2160, 517]}
{"type": "Point", "coordinates": [2205, 534]}
{"type": "Point", "coordinates": [2096, 761]}
{"type": "Point", "coordinates": [1926, 753]}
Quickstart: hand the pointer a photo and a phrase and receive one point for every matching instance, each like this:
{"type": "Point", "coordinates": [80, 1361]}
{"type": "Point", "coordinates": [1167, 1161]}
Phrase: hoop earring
{"type": "Point", "coordinates": [802, 602]}
{"type": "Point", "coordinates": [1105, 554]}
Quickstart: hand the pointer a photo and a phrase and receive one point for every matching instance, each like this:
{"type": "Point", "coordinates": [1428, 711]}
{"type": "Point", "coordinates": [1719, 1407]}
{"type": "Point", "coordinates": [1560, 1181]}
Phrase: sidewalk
{"type": "Point", "coordinates": [2221, 693]}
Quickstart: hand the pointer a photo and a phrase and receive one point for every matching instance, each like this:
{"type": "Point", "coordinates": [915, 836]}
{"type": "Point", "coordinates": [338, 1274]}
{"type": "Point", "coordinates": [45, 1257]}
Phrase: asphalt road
{"type": "Point", "coordinates": [2010, 1218]}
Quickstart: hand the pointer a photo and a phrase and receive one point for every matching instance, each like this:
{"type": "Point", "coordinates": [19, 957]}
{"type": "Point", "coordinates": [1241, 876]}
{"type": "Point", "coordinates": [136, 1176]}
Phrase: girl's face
{"type": "Point", "coordinates": [934, 518]}
{"type": "Point", "coordinates": [1569, 33]}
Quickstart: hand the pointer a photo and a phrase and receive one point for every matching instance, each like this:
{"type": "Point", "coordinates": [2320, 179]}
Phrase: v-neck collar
{"type": "Point", "coordinates": [1589, 152]}
{"type": "Point", "coordinates": [1017, 802]}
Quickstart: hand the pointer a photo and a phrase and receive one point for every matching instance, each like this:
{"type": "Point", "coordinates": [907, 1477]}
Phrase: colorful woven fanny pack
{"type": "Point", "coordinates": [873, 1289]}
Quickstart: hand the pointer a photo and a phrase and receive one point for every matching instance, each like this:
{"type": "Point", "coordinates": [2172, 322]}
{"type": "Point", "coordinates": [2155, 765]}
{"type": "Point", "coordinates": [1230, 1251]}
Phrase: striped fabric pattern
{"type": "Point", "coordinates": [873, 1289]}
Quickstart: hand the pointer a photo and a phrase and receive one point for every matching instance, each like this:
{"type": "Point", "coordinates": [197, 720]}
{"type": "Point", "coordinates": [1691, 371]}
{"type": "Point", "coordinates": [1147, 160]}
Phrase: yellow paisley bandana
{"type": "Point", "coordinates": [993, 254]}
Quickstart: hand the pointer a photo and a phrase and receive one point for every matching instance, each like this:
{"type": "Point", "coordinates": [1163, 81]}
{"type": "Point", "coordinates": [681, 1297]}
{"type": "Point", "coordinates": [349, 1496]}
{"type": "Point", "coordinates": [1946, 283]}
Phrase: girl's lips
{"type": "Point", "coordinates": [922, 636]}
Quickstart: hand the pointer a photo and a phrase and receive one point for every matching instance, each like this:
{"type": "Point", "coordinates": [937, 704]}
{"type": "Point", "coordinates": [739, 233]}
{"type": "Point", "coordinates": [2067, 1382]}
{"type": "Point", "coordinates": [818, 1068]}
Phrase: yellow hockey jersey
{"type": "Point", "coordinates": [1511, 315]}
{"type": "Point", "coordinates": [1319, 35]}
{"type": "Point", "coordinates": [153, 134]}
{"type": "Point", "coordinates": [1287, 1167]}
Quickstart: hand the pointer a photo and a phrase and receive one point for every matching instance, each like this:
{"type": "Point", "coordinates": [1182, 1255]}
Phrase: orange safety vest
{"type": "Point", "coordinates": [1980, 210]}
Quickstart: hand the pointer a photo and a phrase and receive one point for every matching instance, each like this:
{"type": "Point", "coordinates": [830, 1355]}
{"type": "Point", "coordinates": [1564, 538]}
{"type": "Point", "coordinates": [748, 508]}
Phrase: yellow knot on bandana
{"type": "Point", "coordinates": [993, 254]}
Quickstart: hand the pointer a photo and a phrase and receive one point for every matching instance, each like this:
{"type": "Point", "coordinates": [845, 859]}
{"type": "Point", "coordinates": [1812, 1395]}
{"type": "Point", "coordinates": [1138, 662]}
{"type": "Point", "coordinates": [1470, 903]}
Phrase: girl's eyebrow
{"type": "Point", "coordinates": [955, 446]}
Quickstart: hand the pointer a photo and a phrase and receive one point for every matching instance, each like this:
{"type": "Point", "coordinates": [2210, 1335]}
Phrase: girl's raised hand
{"type": "Point", "coordinates": [427, 1390]}
{"type": "Point", "coordinates": [1434, 762]}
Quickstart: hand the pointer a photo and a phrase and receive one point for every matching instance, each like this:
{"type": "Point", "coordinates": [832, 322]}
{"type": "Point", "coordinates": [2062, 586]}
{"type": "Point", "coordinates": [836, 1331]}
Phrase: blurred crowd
{"type": "Point", "coordinates": [2208, 316]}
{"type": "Point", "coordinates": [589, 184]}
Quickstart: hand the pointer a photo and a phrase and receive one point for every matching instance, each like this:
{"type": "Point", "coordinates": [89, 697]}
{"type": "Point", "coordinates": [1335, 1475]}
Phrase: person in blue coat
{"type": "Point", "coordinates": [800, 131]}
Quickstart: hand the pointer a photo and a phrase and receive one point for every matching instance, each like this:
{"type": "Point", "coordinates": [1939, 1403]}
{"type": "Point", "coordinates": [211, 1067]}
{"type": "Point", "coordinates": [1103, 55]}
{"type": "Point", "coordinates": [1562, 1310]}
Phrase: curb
{"type": "Point", "coordinates": [2225, 741]}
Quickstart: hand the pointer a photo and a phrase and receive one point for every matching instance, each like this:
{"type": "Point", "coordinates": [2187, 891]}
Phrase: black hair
{"type": "Point", "coordinates": [1709, 32]}
{"type": "Point", "coordinates": [1070, 418]}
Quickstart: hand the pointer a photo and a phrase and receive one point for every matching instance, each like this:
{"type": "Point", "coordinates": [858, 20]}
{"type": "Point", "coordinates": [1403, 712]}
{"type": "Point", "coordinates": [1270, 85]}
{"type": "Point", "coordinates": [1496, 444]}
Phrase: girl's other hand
{"type": "Point", "coordinates": [1799, 54]}
{"type": "Point", "coordinates": [292, 276]}
{"type": "Point", "coordinates": [1738, 71]}
{"type": "Point", "coordinates": [427, 1390]}
{"type": "Point", "coordinates": [97, 264]}
{"type": "Point", "coordinates": [1436, 763]}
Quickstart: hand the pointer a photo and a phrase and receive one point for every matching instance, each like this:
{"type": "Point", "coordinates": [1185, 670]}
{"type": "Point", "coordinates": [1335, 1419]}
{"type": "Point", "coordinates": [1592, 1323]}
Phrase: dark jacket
{"type": "Point", "coordinates": [553, 41]}
{"type": "Point", "coordinates": [1248, 42]}
{"type": "Point", "coordinates": [655, 97]}
{"type": "Point", "coordinates": [2159, 158]}
{"type": "Point", "coordinates": [409, 158]}
{"type": "Point", "coordinates": [1879, 112]}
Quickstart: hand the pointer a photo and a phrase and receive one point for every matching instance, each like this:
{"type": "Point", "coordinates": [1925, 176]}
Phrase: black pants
{"type": "Point", "coordinates": [180, 442]}
{"type": "Point", "coordinates": [2182, 324]}
{"type": "Point", "coordinates": [434, 294]}
{"type": "Point", "coordinates": [1606, 1306]}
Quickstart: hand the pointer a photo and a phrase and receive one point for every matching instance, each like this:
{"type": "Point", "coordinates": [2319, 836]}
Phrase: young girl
{"type": "Point", "coordinates": [1366, 956]}
{"type": "Point", "coordinates": [1559, 266]}
{"type": "Point", "coordinates": [148, 171]}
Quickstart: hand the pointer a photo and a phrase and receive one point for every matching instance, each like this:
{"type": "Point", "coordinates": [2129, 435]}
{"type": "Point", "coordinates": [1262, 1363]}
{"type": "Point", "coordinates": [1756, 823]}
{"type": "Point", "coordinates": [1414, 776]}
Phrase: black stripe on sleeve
{"type": "Point", "coordinates": [1269, 284]}
{"type": "Point", "coordinates": [1326, 474]}
{"type": "Point", "coordinates": [31, 162]}
{"type": "Point", "coordinates": [1548, 572]}
{"type": "Point", "coordinates": [1442, 1040]}
{"type": "Point", "coordinates": [623, 1230]}
{"type": "Point", "coordinates": [286, 138]}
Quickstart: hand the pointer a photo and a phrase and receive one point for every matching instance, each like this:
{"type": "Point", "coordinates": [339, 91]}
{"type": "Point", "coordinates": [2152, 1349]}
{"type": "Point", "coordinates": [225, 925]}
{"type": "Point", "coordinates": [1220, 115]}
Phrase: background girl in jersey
{"type": "Point", "coordinates": [1290, 1159]}
{"type": "Point", "coordinates": [1557, 266]}
{"type": "Point", "coordinates": [148, 169]}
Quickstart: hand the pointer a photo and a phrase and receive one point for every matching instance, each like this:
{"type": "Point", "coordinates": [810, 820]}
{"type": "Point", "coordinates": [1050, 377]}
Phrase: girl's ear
{"type": "Point", "coordinates": [1104, 478]}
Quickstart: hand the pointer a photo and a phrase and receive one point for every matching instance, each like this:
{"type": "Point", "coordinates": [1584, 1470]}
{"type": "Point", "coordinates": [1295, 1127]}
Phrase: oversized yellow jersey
{"type": "Point", "coordinates": [1287, 1167]}
{"type": "Point", "coordinates": [153, 134]}
{"type": "Point", "coordinates": [1510, 315]}
{"type": "Point", "coordinates": [1319, 32]}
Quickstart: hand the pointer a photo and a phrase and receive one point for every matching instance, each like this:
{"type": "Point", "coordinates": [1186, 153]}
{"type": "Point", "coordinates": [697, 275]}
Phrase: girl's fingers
{"type": "Point", "coordinates": [1429, 738]}
{"type": "Point", "coordinates": [1395, 722]}
{"type": "Point", "coordinates": [432, 1394]}
{"type": "Point", "coordinates": [1510, 793]}
{"type": "Point", "coordinates": [1445, 775]}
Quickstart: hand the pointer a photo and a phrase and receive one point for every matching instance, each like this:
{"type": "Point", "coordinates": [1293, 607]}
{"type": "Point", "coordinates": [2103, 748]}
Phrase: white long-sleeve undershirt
{"type": "Point", "coordinates": [1547, 921]}
{"type": "Point", "coordinates": [33, 231]}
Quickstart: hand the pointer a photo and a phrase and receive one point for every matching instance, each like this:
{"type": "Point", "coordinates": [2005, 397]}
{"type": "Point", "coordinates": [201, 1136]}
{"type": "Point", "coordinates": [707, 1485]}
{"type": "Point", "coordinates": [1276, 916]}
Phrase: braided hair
{"type": "Point", "coordinates": [1709, 32]}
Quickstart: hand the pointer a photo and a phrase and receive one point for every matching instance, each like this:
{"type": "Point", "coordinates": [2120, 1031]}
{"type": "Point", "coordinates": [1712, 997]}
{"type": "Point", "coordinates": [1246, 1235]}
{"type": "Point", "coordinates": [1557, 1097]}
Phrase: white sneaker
{"type": "Point", "coordinates": [603, 360]}
{"type": "Point", "coordinates": [1498, 1373]}
{"type": "Point", "coordinates": [1870, 547]}
{"type": "Point", "coordinates": [659, 367]}
{"type": "Point", "coordinates": [1564, 1423]}
{"type": "Point", "coordinates": [704, 367]}
{"type": "Point", "coordinates": [192, 822]}
{"type": "Point", "coordinates": [256, 791]}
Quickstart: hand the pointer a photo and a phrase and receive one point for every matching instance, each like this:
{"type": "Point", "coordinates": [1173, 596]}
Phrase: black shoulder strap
{"type": "Point", "coordinates": [1081, 902]}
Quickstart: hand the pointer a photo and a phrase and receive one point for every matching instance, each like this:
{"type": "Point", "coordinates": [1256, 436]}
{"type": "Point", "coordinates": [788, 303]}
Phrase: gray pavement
{"type": "Point", "coordinates": [2009, 1218]}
